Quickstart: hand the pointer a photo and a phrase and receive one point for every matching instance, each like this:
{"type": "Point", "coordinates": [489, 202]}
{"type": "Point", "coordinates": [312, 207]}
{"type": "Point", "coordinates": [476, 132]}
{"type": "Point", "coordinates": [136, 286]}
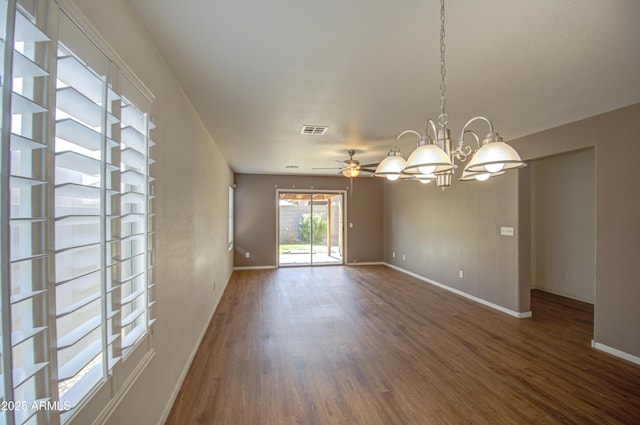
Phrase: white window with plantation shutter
{"type": "Point", "coordinates": [76, 210]}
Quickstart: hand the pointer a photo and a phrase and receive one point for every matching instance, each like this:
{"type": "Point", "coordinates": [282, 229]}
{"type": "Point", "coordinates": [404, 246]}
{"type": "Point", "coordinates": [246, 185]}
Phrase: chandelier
{"type": "Point", "coordinates": [434, 157]}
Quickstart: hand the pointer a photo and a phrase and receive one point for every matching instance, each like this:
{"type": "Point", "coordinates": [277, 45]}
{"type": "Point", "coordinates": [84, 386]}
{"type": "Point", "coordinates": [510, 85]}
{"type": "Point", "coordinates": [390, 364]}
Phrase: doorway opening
{"type": "Point", "coordinates": [310, 228]}
{"type": "Point", "coordinates": [563, 240]}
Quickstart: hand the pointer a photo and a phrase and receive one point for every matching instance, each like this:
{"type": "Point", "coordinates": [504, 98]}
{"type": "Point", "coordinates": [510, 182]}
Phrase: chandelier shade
{"type": "Point", "coordinates": [424, 178]}
{"type": "Point", "coordinates": [391, 167]}
{"type": "Point", "coordinates": [428, 159]}
{"type": "Point", "coordinates": [494, 156]}
{"type": "Point", "coordinates": [478, 175]}
{"type": "Point", "coordinates": [406, 177]}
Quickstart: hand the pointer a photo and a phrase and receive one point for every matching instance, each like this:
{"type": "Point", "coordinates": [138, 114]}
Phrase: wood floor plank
{"type": "Point", "coordinates": [369, 345]}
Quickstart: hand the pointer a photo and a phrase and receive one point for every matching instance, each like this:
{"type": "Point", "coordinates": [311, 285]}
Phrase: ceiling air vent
{"type": "Point", "coordinates": [315, 130]}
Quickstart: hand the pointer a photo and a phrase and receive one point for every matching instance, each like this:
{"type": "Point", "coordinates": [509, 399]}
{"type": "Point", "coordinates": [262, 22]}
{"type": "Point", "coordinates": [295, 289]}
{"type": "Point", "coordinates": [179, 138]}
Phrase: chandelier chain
{"type": "Point", "coordinates": [443, 118]}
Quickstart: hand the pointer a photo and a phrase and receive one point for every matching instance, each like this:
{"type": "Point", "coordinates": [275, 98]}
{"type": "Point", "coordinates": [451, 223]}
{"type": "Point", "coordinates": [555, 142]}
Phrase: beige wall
{"type": "Point", "coordinates": [440, 233]}
{"type": "Point", "coordinates": [256, 210]}
{"type": "Point", "coordinates": [563, 225]}
{"type": "Point", "coordinates": [193, 262]}
{"type": "Point", "coordinates": [443, 232]}
{"type": "Point", "coordinates": [617, 148]}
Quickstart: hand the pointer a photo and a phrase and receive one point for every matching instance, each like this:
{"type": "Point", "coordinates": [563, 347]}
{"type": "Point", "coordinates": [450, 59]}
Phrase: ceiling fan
{"type": "Point", "coordinates": [352, 167]}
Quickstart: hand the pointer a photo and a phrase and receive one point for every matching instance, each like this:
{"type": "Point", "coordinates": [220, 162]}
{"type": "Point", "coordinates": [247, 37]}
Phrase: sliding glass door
{"type": "Point", "coordinates": [294, 228]}
{"type": "Point", "coordinates": [310, 228]}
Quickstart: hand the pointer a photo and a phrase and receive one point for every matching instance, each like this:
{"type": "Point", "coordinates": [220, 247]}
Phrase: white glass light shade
{"type": "Point", "coordinates": [392, 176]}
{"type": "Point", "coordinates": [427, 169]}
{"type": "Point", "coordinates": [391, 166]}
{"type": "Point", "coordinates": [351, 172]}
{"type": "Point", "coordinates": [494, 168]}
{"type": "Point", "coordinates": [478, 175]}
{"type": "Point", "coordinates": [494, 157]}
{"type": "Point", "coordinates": [425, 178]}
{"type": "Point", "coordinates": [429, 159]}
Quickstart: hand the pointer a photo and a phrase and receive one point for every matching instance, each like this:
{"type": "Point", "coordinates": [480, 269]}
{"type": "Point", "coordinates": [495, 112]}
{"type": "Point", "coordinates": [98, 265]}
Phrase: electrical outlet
{"type": "Point", "coordinates": [506, 231]}
{"type": "Point", "coordinates": [247, 255]}
{"type": "Point", "coordinates": [403, 257]}
{"type": "Point", "coordinates": [461, 274]}
{"type": "Point", "coordinates": [393, 254]}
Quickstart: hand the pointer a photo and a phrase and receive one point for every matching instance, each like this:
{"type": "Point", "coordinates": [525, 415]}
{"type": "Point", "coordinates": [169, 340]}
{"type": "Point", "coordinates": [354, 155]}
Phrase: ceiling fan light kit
{"type": "Point", "coordinates": [352, 167]}
{"type": "Point", "coordinates": [351, 172]}
{"type": "Point", "coordinates": [435, 160]}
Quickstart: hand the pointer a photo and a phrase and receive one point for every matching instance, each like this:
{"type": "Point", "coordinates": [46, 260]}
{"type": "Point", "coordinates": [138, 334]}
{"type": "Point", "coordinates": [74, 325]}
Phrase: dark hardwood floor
{"type": "Point", "coordinates": [369, 345]}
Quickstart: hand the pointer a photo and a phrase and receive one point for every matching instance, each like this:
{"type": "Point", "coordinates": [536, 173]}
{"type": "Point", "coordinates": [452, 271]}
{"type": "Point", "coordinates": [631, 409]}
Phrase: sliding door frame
{"type": "Point", "coordinates": [343, 193]}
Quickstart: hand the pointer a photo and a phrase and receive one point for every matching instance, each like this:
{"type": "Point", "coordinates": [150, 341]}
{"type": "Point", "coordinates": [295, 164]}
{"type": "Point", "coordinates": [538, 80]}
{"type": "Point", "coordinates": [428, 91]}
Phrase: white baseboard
{"type": "Point", "coordinates": [255, 268]}
{"type": "Point", "coordinates": [373, 263]}
{"type": "Point", "coordinates": [187, 366]}
{"type": "Point", "coordinates": [615, 352]}
{"type": "Point", "coordinates": [463, 294]}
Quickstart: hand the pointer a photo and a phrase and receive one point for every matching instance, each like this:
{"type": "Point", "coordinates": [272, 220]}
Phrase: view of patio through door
{"type": "Point", "coordinates": [310, 227]}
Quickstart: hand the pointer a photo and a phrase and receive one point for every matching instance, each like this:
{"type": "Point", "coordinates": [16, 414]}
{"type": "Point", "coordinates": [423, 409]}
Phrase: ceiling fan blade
{"type": "Point", "coordinates": [350, 164]}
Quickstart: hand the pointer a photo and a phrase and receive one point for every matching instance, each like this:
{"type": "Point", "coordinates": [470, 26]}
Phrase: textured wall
{"type": "Point", "coordinates": [256, 211]}
{"type": "Point", "coordinates": [440, 233]}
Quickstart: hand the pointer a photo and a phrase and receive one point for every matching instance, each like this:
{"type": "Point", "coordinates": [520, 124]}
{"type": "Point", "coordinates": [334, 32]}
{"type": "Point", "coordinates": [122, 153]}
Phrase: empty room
{"type": "Point", "coordinates": [298, 212]}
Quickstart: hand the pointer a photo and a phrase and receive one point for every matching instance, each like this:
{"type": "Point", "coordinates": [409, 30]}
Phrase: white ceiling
{"type": "Point", "coordinates": [257, 71]}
